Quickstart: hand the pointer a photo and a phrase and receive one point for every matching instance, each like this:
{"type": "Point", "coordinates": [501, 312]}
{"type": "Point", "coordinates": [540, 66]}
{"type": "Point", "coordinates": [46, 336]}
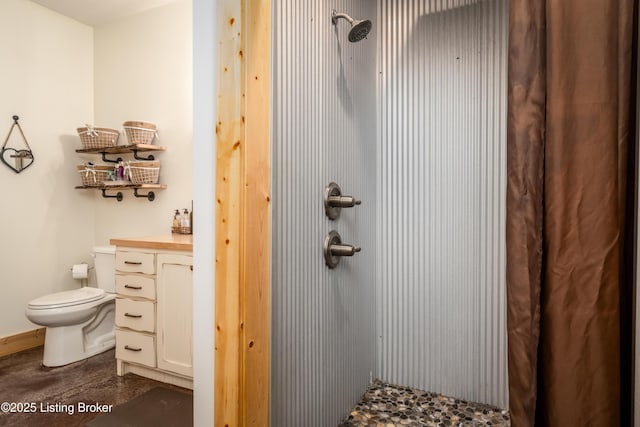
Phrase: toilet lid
{"type": "Point", "coordinates": [67, 298]}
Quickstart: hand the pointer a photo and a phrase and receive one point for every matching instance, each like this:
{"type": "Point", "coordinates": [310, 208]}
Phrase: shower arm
{"type": "Point", "coordinates": [335, 16]}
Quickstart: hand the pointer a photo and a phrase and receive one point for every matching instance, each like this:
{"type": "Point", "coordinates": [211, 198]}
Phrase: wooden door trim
{"type": "Point", "coordinates": [243, 176]}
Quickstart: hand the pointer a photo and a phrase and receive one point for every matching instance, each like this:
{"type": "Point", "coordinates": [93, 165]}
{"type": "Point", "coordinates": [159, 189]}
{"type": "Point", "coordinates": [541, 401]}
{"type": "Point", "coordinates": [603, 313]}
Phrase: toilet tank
{"type": "Point", "coordinates": [105, 263]}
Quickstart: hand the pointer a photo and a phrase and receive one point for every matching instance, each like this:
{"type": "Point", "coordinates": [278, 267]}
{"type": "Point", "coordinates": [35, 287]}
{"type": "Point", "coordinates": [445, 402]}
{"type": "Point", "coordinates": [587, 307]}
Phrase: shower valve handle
{"type": "Point", "coordinates": [344, 250]}
{"type": "Point", "coordinates": [342, 201]}
{"type": "Point", "coordinates": [334, 249]}
{"type": "Point", "coordinates": [334, 201]}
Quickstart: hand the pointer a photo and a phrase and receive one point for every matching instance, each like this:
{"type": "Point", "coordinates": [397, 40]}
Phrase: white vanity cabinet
{"type": "Point", "coordinates": [174, 283]}
{"type": "Point", "coordinates": [154, 286]}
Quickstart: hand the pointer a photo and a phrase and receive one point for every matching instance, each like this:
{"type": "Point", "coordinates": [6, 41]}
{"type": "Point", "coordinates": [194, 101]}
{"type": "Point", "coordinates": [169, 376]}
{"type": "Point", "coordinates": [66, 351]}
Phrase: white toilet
{"type": "Point", "coordinates": [81, 322]}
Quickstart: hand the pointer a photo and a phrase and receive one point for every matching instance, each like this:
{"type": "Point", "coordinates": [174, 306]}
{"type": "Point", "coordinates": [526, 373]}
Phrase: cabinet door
{"type": "Point", "coordinates": [174, 299]}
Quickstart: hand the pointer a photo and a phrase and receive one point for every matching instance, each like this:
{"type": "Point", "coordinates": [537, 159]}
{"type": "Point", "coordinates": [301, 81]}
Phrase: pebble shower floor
{"type": "Point", "coordinates": [387, 405]}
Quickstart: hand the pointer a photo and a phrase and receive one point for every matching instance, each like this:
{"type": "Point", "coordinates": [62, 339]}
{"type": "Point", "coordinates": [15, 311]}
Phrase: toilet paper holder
{"type": "Point", "coordinates": [88, 266]}
{"type": "Point", "coordinates": [81, 272]}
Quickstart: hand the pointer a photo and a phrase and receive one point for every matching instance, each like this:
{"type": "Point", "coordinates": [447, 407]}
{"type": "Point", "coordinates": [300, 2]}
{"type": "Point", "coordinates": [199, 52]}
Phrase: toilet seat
{"type": "Point", "coordinates": [67, 298]}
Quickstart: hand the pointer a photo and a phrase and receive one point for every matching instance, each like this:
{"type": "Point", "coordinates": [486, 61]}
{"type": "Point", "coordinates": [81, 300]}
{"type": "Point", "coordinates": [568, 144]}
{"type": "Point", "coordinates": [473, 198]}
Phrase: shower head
{"type": "Point", "coordinates": [359, 29]}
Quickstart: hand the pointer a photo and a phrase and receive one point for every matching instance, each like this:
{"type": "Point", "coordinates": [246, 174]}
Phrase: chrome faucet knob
{"type": "Point", "coordinates": [343, 250]}
{"type": "Point", "coordinates": [342, 201]}
{"type": "Point", "coordinates": [334, 201]}
{"type": "Point", "coordinates": [334, 249]}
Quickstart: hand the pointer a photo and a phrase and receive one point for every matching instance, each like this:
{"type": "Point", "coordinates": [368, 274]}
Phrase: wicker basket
{"type": "Point", "coordinates": [144, 172]}
{"type": "Point", "coordinates": [93, 176]}
{"type": "Point", "coordinates": [140, 132]}
{"type": "Point", "coordinates": [92, 137]}
{"type": "Point", "coordinates": [181, 230]}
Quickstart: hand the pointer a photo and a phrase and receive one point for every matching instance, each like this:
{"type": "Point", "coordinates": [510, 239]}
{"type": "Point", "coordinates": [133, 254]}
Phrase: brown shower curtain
{"type": "Point", "coordinates": [570, 210]}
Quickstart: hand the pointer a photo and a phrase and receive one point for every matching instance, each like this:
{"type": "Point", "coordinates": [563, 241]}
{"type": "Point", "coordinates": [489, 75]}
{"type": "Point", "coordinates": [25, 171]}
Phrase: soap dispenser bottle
{"type": "Point", "coordinates": [186, 222]}
{"type": "Point", "coordinates": [175, 226]}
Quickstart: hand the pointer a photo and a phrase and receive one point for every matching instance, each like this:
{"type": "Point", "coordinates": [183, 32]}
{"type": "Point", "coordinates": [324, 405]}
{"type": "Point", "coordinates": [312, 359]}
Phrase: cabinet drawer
{"type": "Point", "coordinates": [138, 315]}
{"type": "Point", "coordinates": [136, 286]}
{"type": "Point", "coordinates": [136, 347]}
{"type": "Point", "coordinates": [135, 262]}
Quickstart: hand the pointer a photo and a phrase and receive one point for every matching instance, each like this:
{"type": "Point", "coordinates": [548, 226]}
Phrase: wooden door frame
{"type": "Point", "coordinates": [243, 223]}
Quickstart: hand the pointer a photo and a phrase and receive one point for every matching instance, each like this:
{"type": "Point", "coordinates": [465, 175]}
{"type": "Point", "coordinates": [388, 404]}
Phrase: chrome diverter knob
{"type": "Point", "coordinates": [334, 201]}
{"type": "Point", "coordinates": [334, 249]}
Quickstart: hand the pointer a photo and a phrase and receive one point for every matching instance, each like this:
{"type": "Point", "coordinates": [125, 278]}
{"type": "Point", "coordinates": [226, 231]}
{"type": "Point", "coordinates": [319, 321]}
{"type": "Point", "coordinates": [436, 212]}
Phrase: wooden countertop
{"type": "Point", "coordinates": [175, 242]}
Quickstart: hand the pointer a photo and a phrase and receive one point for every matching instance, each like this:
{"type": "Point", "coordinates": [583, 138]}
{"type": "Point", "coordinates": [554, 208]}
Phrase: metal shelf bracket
{"type": "Point", "coordinates": [135, 156]}
{"type": "Point", "coordinates": [151, 196]}
{"type": "Point", "coordinates": [118, 196]}
{"type": "Point", "coordinates": [104, 158]}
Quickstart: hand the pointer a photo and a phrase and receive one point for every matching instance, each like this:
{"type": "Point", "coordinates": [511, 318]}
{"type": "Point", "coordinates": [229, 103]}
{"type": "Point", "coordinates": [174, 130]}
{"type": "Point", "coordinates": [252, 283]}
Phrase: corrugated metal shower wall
{"type": "Point", "coordinates": [323, 327]}
{"type": "Point", "coordinates": [441, 313]}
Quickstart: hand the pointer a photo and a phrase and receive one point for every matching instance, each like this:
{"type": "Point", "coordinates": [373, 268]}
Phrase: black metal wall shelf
{"type": "Point", "coordinates": [123, 149]}
{"type": "Point", "coordinates": [150, 195]}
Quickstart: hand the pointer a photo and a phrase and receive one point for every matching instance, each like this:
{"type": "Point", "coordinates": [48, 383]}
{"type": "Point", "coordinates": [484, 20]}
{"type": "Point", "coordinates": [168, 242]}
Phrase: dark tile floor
{"type": "Point", "coordinates": [387, 405]}
{"type": "Point", "coordinates": [25, 382]}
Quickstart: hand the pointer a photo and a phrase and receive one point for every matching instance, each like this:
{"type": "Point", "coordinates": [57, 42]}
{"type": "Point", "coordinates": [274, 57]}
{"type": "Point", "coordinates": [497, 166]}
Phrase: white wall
{"type": "Point", "coordinates": [204, 172]}
{"type": "Point", "coordinates": [323, 343]}
{"type": "Point", "coordinates": [46, 225]}
{"type": "Point", "coordinates": [143, 71]}
{"type": "Point", "coordinates": [441, 190]}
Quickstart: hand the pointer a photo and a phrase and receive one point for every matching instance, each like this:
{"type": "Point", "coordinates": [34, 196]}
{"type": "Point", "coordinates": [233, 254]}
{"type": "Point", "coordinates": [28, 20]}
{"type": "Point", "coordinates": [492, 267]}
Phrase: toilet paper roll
{"type": "Point", "coordinates": [80, 271]}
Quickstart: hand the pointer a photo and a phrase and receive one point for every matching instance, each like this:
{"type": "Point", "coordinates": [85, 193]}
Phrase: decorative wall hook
{"type": "Point", "coordinates": [20, 157]}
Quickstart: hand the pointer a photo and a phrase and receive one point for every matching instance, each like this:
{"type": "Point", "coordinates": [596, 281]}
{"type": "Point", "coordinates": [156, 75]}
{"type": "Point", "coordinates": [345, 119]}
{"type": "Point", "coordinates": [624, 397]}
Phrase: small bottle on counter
{"type": "Point", "coordinates": [186, 223]}
{"type": "Point", "coordinates": [175, 226]}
